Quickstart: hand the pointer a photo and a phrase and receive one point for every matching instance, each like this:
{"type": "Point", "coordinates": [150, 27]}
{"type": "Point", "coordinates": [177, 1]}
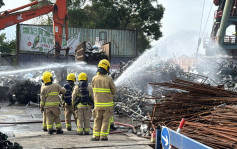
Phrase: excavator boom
{"type": "Point", "coordinates": [59, 10]}
{"type": "Point", "coordinates": [12, 19]}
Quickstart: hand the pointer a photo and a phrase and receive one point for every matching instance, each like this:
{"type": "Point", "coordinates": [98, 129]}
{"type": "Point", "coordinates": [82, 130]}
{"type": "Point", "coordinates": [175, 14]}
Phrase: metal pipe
{"type": "Point", "coordinates": [224, 22]}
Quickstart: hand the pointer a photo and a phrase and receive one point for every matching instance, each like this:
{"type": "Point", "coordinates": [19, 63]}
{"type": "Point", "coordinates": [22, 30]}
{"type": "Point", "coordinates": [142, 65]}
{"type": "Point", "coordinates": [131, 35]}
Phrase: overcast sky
{"type": "Point", "coordinates": [181, 25]}
{"type": "Point", "coordinates": [186, 15]}
{"type": "Point", "coordinates": [179, 16]}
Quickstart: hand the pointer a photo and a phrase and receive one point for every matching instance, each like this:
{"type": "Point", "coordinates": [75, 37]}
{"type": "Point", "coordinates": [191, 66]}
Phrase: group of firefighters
{"type": "Point", "coordinates": [78, 100]}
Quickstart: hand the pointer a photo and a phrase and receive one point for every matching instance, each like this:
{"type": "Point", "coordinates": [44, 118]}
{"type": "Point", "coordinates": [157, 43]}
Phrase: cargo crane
{"type": "Point", "coordinates": [14, 16]}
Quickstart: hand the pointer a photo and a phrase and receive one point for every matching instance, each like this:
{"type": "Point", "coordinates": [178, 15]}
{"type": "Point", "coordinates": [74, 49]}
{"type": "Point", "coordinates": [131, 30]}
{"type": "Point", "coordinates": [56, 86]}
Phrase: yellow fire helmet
{"type": "Point", "coordinates": [71, 76]}
{"type": "Point", "coordinates": [47, 77]}
{"type": "Point", "coordinates": [82, 76]}
{"type": "Point", "coordinates": [104, 64]}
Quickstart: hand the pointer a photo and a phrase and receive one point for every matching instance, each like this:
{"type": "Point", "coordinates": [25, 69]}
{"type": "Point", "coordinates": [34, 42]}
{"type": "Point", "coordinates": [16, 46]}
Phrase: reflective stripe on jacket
{"type": "Point", "coordinates": [106, 104]}
{"type": "Point", "coordinates": [52, 94]}
{"type": "Point", "coordinates": [102, 90]}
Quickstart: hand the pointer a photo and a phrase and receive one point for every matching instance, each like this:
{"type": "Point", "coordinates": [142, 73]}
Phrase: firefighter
{"type": "Point", "coordinates": [104, 90]}
{"type": "Point", "coordinates": [50, 102]}
{"type": "Point", "coordinates": [44, 125]}
{"type": "Point", "coordinates": [67, 100]}
{"type": "Point", "coordinates": [83, 100]}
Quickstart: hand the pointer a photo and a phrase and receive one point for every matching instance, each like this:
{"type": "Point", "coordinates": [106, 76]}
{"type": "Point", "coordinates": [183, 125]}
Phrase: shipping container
{"type": "Point", "coordinates": [123, 42]}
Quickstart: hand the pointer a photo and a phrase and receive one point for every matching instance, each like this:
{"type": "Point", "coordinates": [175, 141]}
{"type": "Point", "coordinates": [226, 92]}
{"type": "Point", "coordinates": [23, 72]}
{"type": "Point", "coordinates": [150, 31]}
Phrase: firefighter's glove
{"type": "Point", "coordinates": [41, 109]}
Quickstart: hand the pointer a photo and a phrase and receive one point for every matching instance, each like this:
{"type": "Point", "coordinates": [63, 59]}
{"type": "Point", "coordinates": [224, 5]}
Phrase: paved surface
{"type": "Point", "coordinates": [31, 135]}
{"type": "Point", "coordinates": [70, 140]}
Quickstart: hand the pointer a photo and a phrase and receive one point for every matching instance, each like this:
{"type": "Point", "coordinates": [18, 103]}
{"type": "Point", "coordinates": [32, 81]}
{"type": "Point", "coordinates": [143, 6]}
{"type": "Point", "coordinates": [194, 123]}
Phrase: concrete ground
{"type": "Point", "coordinates": [30, 135]}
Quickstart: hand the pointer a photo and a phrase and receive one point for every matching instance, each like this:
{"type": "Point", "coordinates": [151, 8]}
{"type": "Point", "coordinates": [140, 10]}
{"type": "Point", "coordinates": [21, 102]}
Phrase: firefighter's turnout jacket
{"type": "Point", "coordinates": [104, 91]}
{"type": "Point", "coordinates": [68, 107]}
{"type": "Point", "coordinates": [83, 108]}
{"type": "Point", "coordinates": [50, 101]}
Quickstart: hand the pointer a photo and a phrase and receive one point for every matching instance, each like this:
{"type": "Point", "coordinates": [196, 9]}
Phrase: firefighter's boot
{"type": "Point", "coordinates": [50, 132]}
{"type": "Point", "coordinates": [95, 139]}
{"type": "Point", "coordinates": [59, 131]}
{"type": "Point", "coordinates": [104, 139]}
{"type": "Point", "coordinates": [80, 133]}
{"type": "Point", "coordinates": [44, 129]}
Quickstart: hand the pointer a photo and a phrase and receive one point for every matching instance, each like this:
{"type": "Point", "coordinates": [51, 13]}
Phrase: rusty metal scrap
{"type": "Point", "coordinates": [210, 112]}
{"type": "Point", "coordinates": [197, 88]}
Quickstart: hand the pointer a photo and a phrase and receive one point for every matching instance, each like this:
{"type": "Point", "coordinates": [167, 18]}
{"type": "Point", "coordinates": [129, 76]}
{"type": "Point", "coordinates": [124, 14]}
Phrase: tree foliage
{"type": "Point", "coordinates": [141, 15]}
{"type": "Point", "coordinates": [7, 47]}
{"type": "Point", "coordinates": [1, 3]}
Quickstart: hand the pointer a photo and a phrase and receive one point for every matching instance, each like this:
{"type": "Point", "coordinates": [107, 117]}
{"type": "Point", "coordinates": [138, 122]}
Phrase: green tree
{"type": "Point", "coordinates": [141, 15]}
{"type": "Point", "coordinates": [1, 3]}
{"type": "Point", "coordinates": [7, 47]}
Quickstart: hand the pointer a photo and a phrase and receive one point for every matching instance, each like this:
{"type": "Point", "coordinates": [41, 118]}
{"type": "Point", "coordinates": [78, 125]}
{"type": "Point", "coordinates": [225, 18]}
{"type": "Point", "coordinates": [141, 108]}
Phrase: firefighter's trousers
{"type": "Point", "coordinates": [53, 115]}
{"type": "Point", "coordinates": [44, 125]}
{"type": "Point", "coordinates": [69, 111]}
{"type": "Point", "coordinates": [102, 120]}
{"type": "Point", "coordinates": [83, 119]}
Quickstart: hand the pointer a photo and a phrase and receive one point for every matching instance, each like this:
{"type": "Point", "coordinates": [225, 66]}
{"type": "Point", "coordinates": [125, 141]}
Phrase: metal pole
{"type": "Point", "coordinates": [224, 22]}
{"type": "Point", "coordinates": [158, 133]}
{"type": "Point", "coordinates": [17, 44]}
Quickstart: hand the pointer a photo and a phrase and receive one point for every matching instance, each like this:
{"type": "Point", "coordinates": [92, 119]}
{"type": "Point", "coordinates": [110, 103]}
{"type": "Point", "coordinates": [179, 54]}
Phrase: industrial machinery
{"type": "Point", "coordinates": [91, 54]}
{"type": "Point", "coordinates": [59, 10]}
{"type": "Point", "coordinates": [219, 41]}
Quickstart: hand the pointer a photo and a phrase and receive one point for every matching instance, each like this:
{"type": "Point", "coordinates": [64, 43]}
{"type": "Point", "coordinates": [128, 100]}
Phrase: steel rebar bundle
{"type": "Point", "coordinates": [210, 113]}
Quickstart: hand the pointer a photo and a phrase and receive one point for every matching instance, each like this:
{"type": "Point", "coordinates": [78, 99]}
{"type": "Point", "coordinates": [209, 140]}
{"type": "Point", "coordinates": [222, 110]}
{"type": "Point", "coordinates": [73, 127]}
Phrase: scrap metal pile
{"type": "Point", "coordinates": [130, 99]}
{"type": "Point", "coordinates": [23, 84]}
{"type": "Point", "coordinates": [223, 71]}
{"type": "Point", "coordinates": [130, 102]}
{"type": "Point", "coordinates": [210, 112]}
{"type": "Point", "coordinates": [19, 88]}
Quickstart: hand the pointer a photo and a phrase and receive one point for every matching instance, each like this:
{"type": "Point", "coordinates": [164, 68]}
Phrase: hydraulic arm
{"type": "Point", "coordinates": [59, 10]}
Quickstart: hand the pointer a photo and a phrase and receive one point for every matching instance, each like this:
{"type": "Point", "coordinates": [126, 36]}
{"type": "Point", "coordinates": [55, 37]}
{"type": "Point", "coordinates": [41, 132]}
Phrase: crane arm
{"type": "Point", "coordinates": [18, 17]}
{"type": "Point", "coordinates": [59, 20]}
{"type": "Point", "coordinates": [59, 10]}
